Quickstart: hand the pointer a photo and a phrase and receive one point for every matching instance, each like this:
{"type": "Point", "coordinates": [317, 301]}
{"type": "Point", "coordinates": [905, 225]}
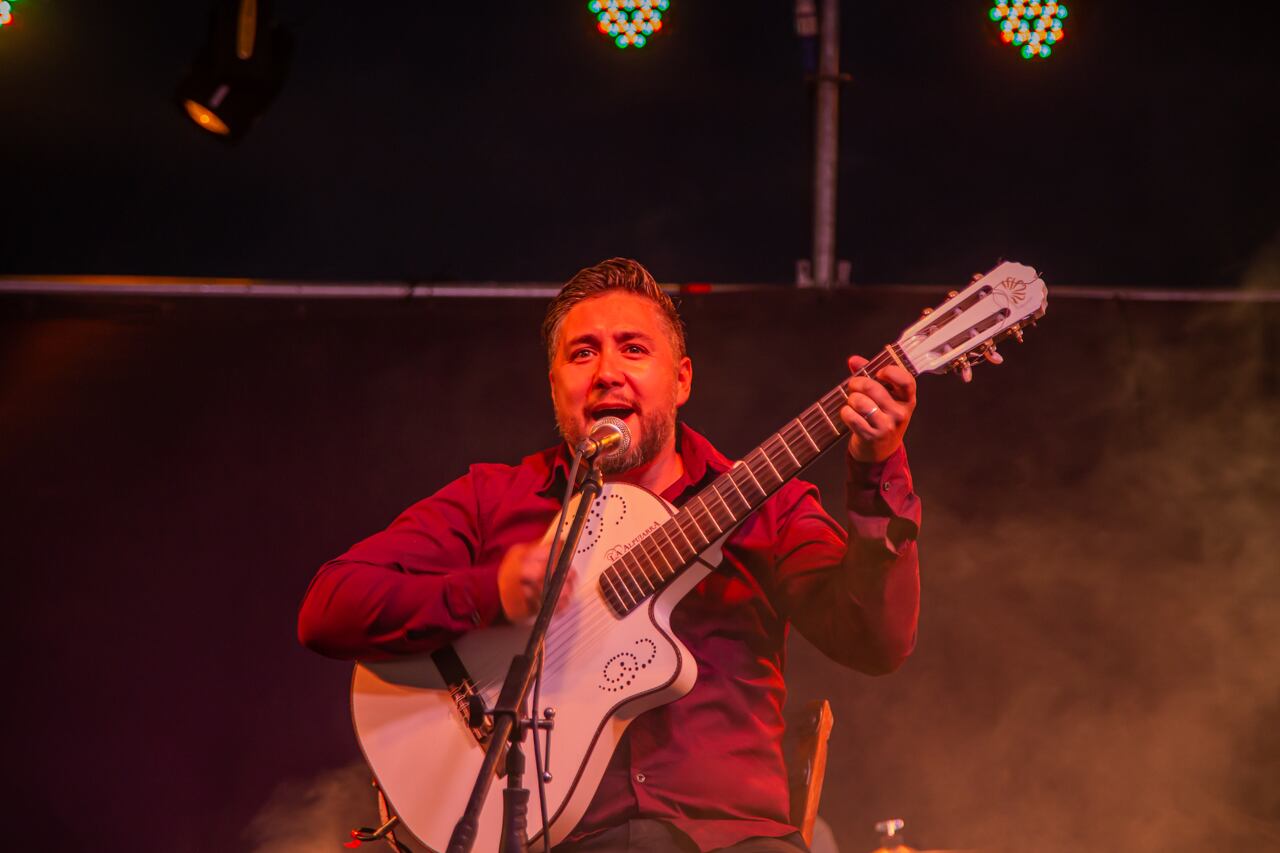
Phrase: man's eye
{"type": "Point", "coordinates": [636, 348]}
{"type": "Point", "coordinates": [579, 354]}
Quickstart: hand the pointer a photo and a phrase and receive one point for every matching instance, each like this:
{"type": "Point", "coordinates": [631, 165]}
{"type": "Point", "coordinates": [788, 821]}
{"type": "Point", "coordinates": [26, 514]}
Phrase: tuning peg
{"type": "Point", "coordinates": [926, 312]}
{"type": "Point", "coordinates": [992, 356]}
{"type": "Point", "coordinates": [976, 276]}
{"type": "Point", "coordinates": [966, 372]}
{"type": "Point", "coordinates": [951, 294]}
{"type": "Point", "coordinates": [1017, 332]}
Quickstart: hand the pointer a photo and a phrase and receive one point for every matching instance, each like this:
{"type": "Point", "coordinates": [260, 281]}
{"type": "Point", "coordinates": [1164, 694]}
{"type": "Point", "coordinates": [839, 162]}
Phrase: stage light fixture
{"type": "Point", "coordinates": [630, 23]}
{"type": "Point", "coordinates": [239, 70]}
{"type": "Point", "coordinates": [6, 12]}
{"type": "Point", "coordinates": [1033, 27]}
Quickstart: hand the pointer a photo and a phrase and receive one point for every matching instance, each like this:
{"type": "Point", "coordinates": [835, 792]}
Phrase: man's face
{"type": "Point", "coordinates": [614, 356]}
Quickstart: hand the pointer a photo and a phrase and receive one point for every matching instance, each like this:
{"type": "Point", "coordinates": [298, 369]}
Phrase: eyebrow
{"type": "Point", "coordinates": [621, 337]}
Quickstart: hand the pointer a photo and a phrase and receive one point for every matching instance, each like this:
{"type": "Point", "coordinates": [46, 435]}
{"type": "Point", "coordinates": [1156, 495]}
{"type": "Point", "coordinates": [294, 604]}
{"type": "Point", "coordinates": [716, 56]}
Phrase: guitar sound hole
{"type": "Point", "coordinates": [620, 670]}
{"type": "Point", "coordinates": [594, 526]}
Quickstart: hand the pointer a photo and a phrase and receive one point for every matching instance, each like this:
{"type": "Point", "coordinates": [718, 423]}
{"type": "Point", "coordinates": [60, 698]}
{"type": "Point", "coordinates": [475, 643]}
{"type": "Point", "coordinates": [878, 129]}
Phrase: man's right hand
{"type": "Point", "coordinates": [520, 580]}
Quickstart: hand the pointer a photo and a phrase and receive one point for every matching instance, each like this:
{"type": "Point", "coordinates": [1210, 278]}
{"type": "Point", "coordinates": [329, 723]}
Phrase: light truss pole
{"type": "Point", "coordinates": [826, 142]}
{"type": "Point", "coordinates": [820, 36]}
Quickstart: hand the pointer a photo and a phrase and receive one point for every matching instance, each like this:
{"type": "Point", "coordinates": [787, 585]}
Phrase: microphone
{"type": "Point", "coordinates": [609, 436]}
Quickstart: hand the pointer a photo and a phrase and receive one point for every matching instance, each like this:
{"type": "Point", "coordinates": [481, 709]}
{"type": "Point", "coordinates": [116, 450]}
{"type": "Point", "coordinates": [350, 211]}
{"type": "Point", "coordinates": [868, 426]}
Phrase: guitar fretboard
{"type": "Point", "coordinates": [675, 544]}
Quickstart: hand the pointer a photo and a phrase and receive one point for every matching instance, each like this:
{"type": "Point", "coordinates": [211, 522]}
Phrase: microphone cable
{"type": "Point", "coordinates": [537, 681]}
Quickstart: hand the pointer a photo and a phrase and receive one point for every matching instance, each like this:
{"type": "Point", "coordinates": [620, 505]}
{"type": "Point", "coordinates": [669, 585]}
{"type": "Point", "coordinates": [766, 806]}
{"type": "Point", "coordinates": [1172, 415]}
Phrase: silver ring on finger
{"type": "Point", "coordinates": [866, 416]}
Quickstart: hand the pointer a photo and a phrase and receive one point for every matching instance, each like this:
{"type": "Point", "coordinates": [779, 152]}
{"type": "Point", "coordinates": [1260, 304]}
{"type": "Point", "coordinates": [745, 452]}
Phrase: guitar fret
{"type": "Point", "coordinates": [652, 571]}
{"type": "Point", "coordinates": [751, 474]}
{"type": "Point", "coordinates": [611, 597]}
{"type": "Point", "coordinates": [652, 574]}
{"type": "Point", "coordinates": [893, 355]}
{"type": "Point", "coordinates": [787, 448]}
{"type": "Point", "coordinates": [836, 432]}
{"type": "Point", "coordinates": [692, 550]}
{"type": "Point", "coordinates": [630, 600]}
{"type": "Point", "coordinates": [816, 450]}
{"type": "Point", "coordinates": [902, 359]}
{"type": "Point", "coordinates": [643, 583]}
{"type": "Point", "coordinates": [769, 463]}
{"type": "Point", "coordinates": [648, 586]}
{"type": "Point", "coordinates": [732, 515]}
{"type": "Point", "coordinates": [662, 528]}
{"type": "Point", "coordinates": [700, 532]}
{"type": "Point", "coordinates": [837, 403]}
{"type": "Point", "coordinates": [710, 517]}
{"type": "Point", "coordinates": [827, 417]}
{"type": "Point", "coordinates": [765, 454]}
{"type": "Point", "coordinates": [631, 575]}
{"type": "Point", "coordinates": [746, 503]}
{"type": "Point", "coordinates": [607, 576]}
{"type": "Point", "coordinates": [650, 545]}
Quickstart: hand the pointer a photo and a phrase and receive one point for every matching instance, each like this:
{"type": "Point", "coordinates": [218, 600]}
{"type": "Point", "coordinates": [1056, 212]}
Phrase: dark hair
{"type": "Point", "coordinates": [614, 274]}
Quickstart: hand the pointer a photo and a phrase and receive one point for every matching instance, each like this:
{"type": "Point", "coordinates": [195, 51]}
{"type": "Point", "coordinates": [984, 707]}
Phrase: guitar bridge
{"type": "Point", "coordinates": [472, 708]}
{"type": "Point", "coordinates": [462, 689]}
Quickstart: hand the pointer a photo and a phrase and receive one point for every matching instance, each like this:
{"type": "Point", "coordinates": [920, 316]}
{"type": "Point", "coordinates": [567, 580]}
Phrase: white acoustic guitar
{"type": "Point", "coordinates": [610, 653]}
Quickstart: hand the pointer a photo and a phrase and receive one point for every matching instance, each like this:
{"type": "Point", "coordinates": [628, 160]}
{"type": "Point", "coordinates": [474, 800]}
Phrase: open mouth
{"type": "Point", "coordinates": [611, 410]}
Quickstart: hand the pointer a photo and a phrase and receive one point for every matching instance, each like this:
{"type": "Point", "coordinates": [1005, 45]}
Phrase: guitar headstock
{"type": "Point", "coordinates": [965, 329]}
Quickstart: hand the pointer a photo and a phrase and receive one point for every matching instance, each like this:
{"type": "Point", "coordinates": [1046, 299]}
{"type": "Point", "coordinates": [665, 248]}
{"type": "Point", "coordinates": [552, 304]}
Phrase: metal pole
{"type": "Point", "coordinates": [826, 138]}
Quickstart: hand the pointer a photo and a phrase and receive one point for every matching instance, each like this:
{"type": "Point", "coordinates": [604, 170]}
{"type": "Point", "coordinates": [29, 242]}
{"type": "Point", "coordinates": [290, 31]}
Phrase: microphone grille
{"type": "Point", "coordinates": [610, 422]}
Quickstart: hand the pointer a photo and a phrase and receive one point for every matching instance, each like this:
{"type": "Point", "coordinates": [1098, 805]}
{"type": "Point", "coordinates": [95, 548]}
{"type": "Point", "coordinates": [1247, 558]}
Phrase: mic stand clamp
{"type": "Point", "coordinates": [509, 723]}
{"type": "Point", "coordinates": [515, 797]}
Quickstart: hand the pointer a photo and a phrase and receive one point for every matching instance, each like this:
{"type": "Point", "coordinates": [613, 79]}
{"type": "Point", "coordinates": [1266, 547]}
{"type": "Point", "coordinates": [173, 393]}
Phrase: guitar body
{"type": "Point", "coordinates": [600, 671]}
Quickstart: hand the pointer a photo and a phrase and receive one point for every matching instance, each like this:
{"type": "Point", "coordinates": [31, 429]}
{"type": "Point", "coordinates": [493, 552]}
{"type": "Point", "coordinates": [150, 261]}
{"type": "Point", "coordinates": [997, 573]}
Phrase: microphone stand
{"type": "Point", "coordinates": [509, 726]}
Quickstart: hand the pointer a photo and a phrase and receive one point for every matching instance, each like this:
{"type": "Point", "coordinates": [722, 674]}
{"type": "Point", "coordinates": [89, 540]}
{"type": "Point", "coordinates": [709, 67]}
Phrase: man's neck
{"type": "Point", "coordinates": [657, 474]}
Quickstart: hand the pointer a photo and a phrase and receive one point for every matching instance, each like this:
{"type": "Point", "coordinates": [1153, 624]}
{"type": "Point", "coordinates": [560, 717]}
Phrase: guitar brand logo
{"type": "Point", "coordinates": [616, 553]}
{"type": "Point", "coordinates": [1016, 290]}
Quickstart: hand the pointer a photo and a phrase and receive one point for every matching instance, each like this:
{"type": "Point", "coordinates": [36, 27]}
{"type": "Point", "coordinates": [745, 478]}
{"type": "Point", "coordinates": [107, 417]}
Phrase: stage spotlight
{"type": "Point", "coordinates": [239, 70]}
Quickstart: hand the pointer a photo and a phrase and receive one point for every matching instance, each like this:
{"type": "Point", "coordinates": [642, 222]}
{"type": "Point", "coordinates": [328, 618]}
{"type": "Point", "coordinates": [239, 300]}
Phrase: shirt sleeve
{"type": "Point", "coordinates": [855, 595]}
{"type": "Point", "coordinates": [412, 588]}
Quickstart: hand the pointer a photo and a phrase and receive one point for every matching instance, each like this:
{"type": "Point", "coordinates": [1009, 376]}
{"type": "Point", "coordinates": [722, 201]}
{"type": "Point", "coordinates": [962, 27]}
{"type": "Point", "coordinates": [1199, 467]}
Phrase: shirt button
{"type": "Point", "coordinates": [886, 485]}
{"type": "Point", "coordinates": [640, 778]}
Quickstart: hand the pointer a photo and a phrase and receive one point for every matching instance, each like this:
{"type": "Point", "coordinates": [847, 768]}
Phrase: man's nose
{"type": "Point", "coordinates": [609, 370]}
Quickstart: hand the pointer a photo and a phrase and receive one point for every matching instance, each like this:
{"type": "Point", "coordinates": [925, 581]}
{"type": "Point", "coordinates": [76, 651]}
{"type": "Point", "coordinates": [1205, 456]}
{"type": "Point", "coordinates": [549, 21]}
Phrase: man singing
{"type": "Point", "coordinates": [705, 772]}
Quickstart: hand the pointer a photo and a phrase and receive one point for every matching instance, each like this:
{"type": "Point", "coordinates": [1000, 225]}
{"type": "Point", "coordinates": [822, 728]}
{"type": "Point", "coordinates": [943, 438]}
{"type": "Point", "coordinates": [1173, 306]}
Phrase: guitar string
{"type": "Point", "coordinates": [599, 621]}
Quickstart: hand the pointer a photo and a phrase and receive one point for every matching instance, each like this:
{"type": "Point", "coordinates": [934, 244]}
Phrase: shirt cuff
{"type": "Point", "coordinates": [882, 503]}
{"type": "Point", "coordinates": [882, 488]}
{"type": "Point", "coordinates": [472, 597]}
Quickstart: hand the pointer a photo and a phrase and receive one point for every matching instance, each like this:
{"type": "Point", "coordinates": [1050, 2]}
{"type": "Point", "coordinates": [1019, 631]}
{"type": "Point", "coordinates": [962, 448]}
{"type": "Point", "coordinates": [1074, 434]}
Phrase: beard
{"type": "Point", "coordinates": [656, 428]}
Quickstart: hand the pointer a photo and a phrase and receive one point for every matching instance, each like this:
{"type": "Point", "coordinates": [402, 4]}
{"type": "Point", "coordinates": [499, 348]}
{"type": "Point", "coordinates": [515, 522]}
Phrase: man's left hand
{"type": "Point", "coordinates": [877, 410]}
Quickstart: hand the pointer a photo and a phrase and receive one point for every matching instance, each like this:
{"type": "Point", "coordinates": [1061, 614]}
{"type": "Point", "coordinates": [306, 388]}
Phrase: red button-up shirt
{"type": "Point", "coordinates": [710, 763]}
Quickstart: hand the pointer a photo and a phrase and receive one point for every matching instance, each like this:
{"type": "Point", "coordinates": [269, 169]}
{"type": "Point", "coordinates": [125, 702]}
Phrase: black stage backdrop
{"type": "Point", "coordinates": [1098, 655]}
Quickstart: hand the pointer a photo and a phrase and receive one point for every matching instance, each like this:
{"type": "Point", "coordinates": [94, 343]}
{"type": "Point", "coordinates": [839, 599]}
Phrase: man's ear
{"type": "Point", "coordinates": [684, 380]}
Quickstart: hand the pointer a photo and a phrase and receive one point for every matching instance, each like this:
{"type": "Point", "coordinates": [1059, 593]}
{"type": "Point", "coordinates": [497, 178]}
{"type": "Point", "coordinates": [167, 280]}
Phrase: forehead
{"type": "Point", "coordinates": [614, 312]}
